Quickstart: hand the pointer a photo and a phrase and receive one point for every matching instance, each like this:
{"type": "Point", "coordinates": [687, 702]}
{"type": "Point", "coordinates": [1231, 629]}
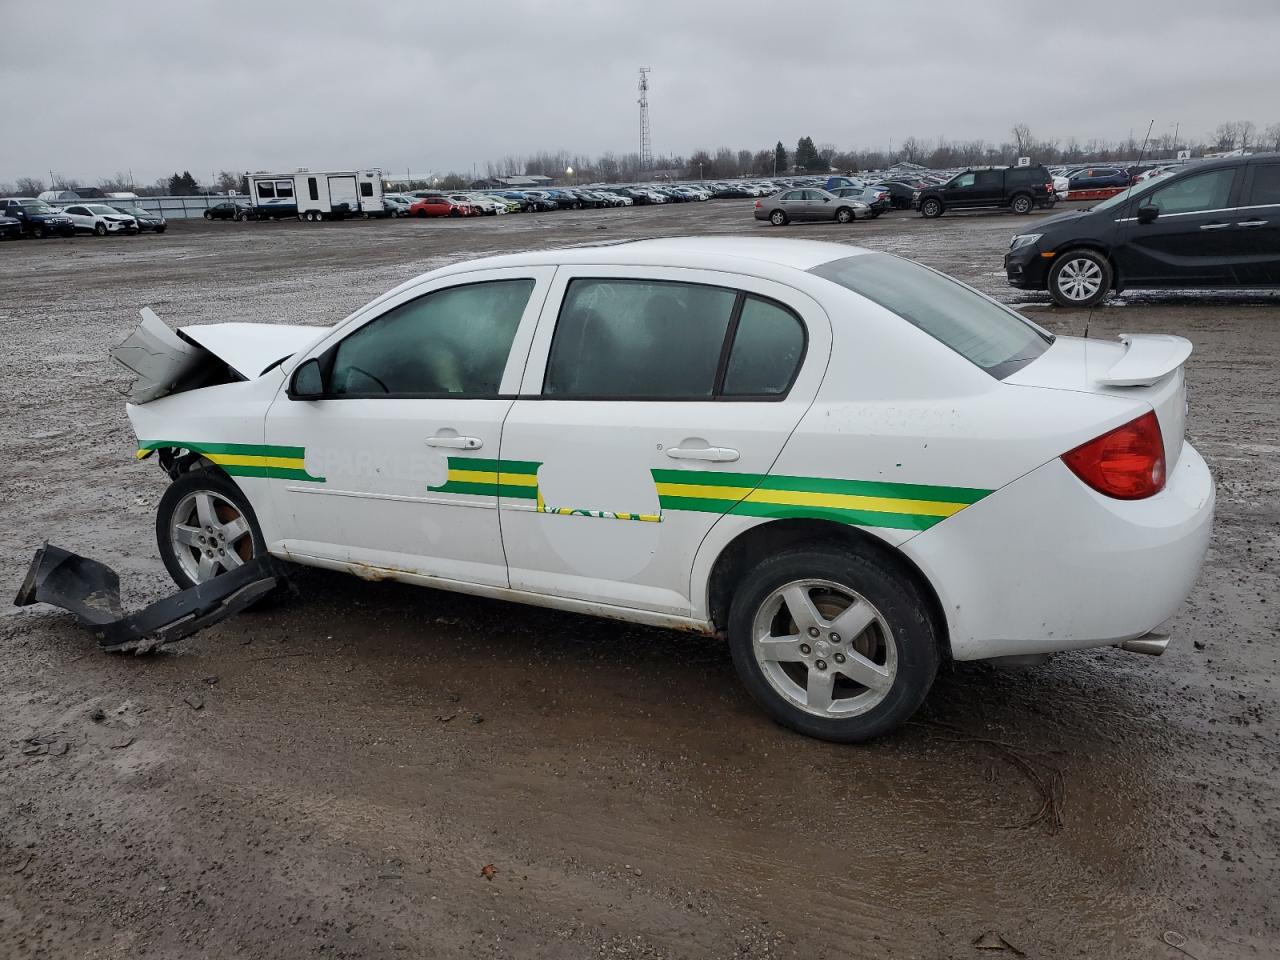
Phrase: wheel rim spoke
{"type": "Point", "coordinates": [779, 649]}
{"type": "Point", "coordinates": [207, 568]}
{"type": "Point", "coordinates": [800, 606]}
{"type": "Point", "coordinates": [818, 689]}
{"type": "Point", "coordinates": [861, 670]}
{"type": "Point", "coordinates": [189, 536]}
{"type": "Point", "coordinates": [204, 511]}
{"type": "Point", "coordinates": [235, 529]}
{"type": "Point", "coordinates": [851, 624]}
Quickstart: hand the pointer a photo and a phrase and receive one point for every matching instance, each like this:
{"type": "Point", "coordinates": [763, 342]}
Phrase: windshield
{"type": "Point", "coordinates": [36, 206]}
{"type": "Point", "coordinates": [993, 337]}
{"type": "Point", "coordinates": [1119, 198]}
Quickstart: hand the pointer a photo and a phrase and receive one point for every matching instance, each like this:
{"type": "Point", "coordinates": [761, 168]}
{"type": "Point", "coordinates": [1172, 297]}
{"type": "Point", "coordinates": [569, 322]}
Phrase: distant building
{"type": "Point", "coordinates": [530, 182]}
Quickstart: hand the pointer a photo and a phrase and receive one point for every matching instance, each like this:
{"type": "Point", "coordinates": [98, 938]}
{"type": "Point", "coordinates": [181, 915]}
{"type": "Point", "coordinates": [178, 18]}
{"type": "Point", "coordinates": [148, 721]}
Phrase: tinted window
{"type": "Point", "coordinates": [451, 342]}
{"type": "Point", "coordinates": [964, 180]}
{"type": "Point", "coordinates": [267, 191]}
{"type": "Point", "coordinates": [313, 188]}
{"type": "Point", "coordinates": [767, 349]}
{"type": "Point", "coordinates": [1025, 175]}
{"type": "Point", "coordinates": [647, 339]}
{"type": "Point", "coordinates": [366, 189]}
{"type": "Point", "coordinates": [1266, 185]}
{"type": "Point", "coordinates": [995, 338]}
{"type": "Point", "coordinates": [1202, 191]}
{"type": "Point", "coordinates": [284, 188]}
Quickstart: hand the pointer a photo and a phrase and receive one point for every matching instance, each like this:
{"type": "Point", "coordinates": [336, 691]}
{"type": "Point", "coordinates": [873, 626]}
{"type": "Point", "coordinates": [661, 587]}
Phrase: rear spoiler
{"type": "Point", "coordinates": [1149, 357]}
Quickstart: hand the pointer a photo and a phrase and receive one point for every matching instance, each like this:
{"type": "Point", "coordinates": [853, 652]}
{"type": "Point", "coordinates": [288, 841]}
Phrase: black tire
{"type": "Point", "coordinates": [100, 229]}
{"type": "Point", "coordinates": [422, 214]}
{"type": "Point", "coordinates": [844, 215]}
{"type": "Point", "coordinates": [208, 215]}
{"type": "Point", "coordinates": [37, 231]}
{"type": "Point", "coordinates": [931, 207]}
{"type": "Point", "coordinates": [876, 213]}
{"type": "Point", "coordinates": [207, 480]}
{"type": "Point", "coordinates": [778, 218]}
{"type": "Point", "coordinates": [1070, 269]}
{"type": "Point", "coordinates": [242, 216]}
{"type": "Point", "coordinates": [901, 605]}
{"type": "Point", "coordinates": [1022, 204]}
{"type": "Point", "coordinates": [162, 229]}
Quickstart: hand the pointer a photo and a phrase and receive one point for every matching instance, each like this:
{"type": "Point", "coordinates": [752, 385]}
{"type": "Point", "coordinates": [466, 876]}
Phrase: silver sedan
{"type": "Point", "coordinates": [809, 203]}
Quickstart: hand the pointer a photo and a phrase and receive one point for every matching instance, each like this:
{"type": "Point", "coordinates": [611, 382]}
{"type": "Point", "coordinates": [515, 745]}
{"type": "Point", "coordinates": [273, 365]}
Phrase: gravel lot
{"type": "Point", "coordinates": [330, 776]}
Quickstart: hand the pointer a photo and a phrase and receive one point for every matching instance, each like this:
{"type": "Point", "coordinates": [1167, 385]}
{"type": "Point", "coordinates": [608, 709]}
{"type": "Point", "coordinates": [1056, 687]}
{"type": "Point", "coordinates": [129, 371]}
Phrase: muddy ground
{"type": "Point", "coordinates": [328, 778]}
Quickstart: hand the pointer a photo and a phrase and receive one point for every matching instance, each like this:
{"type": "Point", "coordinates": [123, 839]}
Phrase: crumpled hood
{"type": "Point", "coordinates": [250, 348]}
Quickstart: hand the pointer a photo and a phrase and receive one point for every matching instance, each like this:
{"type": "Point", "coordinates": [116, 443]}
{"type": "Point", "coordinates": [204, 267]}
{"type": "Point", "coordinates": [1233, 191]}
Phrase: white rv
{"type": "Point", "coordinates": [317, 195]}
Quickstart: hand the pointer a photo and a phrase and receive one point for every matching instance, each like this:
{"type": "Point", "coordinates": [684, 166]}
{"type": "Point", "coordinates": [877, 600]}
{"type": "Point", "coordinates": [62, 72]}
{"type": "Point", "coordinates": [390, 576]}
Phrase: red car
{"type": "Point", "coordinates": [439, 207]}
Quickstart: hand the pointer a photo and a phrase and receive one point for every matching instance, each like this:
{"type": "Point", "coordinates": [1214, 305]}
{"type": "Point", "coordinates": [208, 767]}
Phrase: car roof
{"type": "Point", "coordinates": [677, 252]}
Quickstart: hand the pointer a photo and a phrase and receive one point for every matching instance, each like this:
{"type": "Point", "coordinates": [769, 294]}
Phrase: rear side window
{"type": "Point", "coordinates": [665, 340]}
{"type": "Point", "coordinates": [284, 188]}
{"type": "Point", "coordinates": [991, 336]}
{"type": "Point", "coordinates": [313, 188]}
{"type": "Point", "coordinates": [451, 342]}
{"type": "Point", "coordinates": [989, 178]}
{"type": "Point", "coordinates": [1266, 185]}
{"type": "Point", "coordinates": [641, 339]}
{"type": "Point", "coordinates": [267, 190]}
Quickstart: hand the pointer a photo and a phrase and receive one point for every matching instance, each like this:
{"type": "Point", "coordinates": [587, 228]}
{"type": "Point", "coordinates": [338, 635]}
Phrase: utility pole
{"type": "Point", "coordinates": [646, 147]}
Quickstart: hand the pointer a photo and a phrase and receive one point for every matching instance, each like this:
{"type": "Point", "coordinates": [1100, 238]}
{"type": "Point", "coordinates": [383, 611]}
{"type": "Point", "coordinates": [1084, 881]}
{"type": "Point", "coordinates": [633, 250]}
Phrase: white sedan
{"type": "Point", "coordinates": [851, 465]}
{"type": "Point", "coordinates": [100, 219]}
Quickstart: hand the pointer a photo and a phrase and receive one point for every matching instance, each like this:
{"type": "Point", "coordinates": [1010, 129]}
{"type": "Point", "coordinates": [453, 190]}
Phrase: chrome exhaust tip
{"type": "Point", "coordinates": [1153, 644]}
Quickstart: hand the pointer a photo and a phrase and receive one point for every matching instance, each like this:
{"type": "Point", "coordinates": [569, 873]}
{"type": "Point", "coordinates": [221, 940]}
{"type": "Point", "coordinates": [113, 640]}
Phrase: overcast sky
{"type": "Point", "coordinates": [90, 88]}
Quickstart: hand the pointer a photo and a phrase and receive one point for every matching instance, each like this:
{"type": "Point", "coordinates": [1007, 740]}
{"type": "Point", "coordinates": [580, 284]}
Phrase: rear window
{"type": "Point", "coordinates": [990, 336]}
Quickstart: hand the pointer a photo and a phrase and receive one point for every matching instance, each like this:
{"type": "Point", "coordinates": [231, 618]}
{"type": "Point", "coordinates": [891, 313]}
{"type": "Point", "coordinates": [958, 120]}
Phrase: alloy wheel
{"type": "Point", "coordinates": [1079, 279]}
{"type": "Point", "coordinates": [824, 648]}
{"type": "Point", "coordinates": [209, 535]}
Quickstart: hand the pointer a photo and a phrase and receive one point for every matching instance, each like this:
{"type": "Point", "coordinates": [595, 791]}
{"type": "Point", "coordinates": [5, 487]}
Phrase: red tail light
{"type": "Point", "coordinates": [1127, 463]}
{"type": "Point", "coordinates": [757, 204]}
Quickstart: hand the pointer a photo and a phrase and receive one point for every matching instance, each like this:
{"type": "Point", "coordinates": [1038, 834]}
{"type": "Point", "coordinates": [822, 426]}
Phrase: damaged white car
{"type": "Point", "coordinates": [850, 464]}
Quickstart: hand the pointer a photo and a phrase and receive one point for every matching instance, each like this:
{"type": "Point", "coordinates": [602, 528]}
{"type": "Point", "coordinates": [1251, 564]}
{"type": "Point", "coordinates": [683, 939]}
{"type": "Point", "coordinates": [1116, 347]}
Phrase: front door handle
{"type": "Point", "coordinates": [715, 454]}
{"type": "Point", "coordinates": [456, 443]}
{"type": "Point", "coordinates": [1214, 226]}
{"type": "Point", "coordinates": [1252, 223]}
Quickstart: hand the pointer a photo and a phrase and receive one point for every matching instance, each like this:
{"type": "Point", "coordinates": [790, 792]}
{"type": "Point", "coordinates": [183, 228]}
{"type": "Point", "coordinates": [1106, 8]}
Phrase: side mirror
{"type": "Point", "coordinates": [1148, 214]}
{"type": "Point", "coordinates": [307, 382]}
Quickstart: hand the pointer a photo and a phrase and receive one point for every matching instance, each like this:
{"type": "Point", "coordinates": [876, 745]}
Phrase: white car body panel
{"type": "Point", "coordinates": [1023, 557]}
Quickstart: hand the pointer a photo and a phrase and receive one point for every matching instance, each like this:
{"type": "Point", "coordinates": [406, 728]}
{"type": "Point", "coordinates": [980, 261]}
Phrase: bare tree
{"type": "Point", "coordinates": [1225, 136]}
{"type": "Point", "coordinates": [913, 149]}
{"type": "Point", "coordinates": [1247, 130]}
{"type": "Point", "coordinates": [1271, 137]}
{"type": "Point", "coordinates": [1021, 134]}
{"type": "Point", "coordinates": [29, 186]}
{"type": "Point", "coordinates": [120, 183]}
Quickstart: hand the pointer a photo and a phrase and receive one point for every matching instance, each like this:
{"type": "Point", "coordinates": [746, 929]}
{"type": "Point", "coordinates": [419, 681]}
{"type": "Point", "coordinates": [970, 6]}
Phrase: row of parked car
{"type": "Point", "coordinates": [30, 217]}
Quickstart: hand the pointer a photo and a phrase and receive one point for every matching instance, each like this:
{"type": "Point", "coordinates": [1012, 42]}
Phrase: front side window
{"type": "Point", "coordinates": [993, 337]}
{"type": "Point", "coordinates": [964, 180]}
{"type": "Point", "coordinates": [267, 190]}
{"type": "Point", "coordinates": [1203, 191]}
{"type": "Point", "coordinates": [1266, 185]}
{"type": "Point", "coordinates": [451, 342]}
{"type": "Point", "coordinates": [284, 189]}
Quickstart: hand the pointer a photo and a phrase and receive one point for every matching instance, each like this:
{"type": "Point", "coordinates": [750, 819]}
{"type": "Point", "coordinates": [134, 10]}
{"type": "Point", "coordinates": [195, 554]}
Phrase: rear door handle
{"type": "Point", "coordinates": [1214, 226]}
{"type": "Point", "coordinates": [1252, 223]}
{"type": "Point", "coordinates": [716, 454]}
{"type": "Point", "coordinates": [456, 443]}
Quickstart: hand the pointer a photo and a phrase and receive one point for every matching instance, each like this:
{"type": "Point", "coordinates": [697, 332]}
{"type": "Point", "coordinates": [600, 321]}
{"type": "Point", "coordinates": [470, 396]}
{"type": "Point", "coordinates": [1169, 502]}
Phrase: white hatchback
{"type": "Point", "coordinates": [100, 219]}
{"type": "Point", "coordinates": [851, 465]}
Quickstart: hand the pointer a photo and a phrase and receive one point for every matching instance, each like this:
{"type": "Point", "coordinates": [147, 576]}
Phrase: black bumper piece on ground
{"type": "Point", "coordinates": [91, 591]}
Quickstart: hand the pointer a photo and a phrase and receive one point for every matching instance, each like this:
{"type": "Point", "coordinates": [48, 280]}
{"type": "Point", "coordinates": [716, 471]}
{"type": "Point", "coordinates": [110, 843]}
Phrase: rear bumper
{"type": "Point", "coordinates": [1047, 564]}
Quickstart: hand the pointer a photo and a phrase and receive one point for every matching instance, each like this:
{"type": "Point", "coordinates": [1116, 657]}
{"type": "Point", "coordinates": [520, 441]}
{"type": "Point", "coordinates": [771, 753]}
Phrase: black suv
{"type": "Point", "coordinates": [38, 219]}
{"type": "Point", "coordinates": [1212, 224]}
{"type": "Point", "coordinates": [1021, 189]}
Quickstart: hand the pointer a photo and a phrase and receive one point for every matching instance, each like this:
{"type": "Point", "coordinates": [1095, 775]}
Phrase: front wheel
{"type": "Point", "coordinates": [833, 642]}
{"type": "Point", "coordinates": [208, 215]}
{"type": "Point", "coordinates": [204, 527]}
{"type": "Point", "coordinates": [1080, 278]}
{"type": "Point", "coordinates": [1022, 204]}
{"type": "Point", "coordinates": [931, 208]}
{"type": "Point", "coordinates": [100, 229]}
{"type": "Point", "coordinates": [37, 231]}
{"type": "Point", "coordinates": [777, 218]}
{"type": "Point", "coordinates": [844, 215]}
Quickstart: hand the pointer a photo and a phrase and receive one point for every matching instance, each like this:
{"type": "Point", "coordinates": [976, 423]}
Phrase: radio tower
{"type": "Point", "coordinates": [646, 147]}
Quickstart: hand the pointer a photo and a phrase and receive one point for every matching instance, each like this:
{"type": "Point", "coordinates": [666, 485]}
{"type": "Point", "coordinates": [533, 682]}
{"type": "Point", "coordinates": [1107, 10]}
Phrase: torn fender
{"type": "Point", "coordinates": [91, 591]}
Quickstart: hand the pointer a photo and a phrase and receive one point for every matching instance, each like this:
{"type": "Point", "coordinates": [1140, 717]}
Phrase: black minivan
{"type": "Point", "coordinates": [1212, 224]}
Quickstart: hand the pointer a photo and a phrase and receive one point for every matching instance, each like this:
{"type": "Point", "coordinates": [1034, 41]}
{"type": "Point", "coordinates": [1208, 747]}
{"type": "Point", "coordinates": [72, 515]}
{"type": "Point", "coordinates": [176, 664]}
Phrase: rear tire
{"type": "Point", "coordinates": [833, 642]}
{"type": "Point", "coordinates": [931, 208]}
{"type": "Point", "coordinates": [1022, 204]}
{"type": "Point", "coordinates": [778, 218]}
{"type": "Point", "coordinates": [1080, 278]}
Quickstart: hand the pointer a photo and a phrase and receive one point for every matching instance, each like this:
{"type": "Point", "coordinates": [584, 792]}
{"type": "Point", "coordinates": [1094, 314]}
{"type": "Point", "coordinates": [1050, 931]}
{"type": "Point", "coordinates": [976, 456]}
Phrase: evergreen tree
{"type": "Point", "coordinates": [780, 158]}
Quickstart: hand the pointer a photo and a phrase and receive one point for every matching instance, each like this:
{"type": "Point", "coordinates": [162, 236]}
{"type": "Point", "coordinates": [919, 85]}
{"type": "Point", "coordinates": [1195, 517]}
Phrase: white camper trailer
{"type": "Point", "coordinates": [317, 195]}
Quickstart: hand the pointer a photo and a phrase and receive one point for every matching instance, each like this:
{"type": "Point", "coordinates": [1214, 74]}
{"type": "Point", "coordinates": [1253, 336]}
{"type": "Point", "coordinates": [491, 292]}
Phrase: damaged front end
{"type": "Point", "coordinates": [91, 591]}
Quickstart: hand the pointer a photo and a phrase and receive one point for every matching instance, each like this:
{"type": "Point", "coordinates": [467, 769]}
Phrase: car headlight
{"type": "Point", "coordinates": [1023, 240]}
